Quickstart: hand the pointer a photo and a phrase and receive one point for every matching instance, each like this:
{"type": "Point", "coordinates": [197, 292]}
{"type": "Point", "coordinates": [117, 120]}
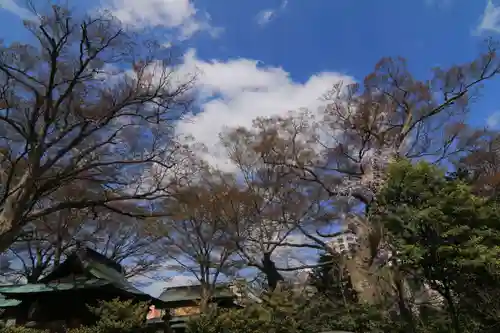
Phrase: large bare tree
{"type": "Point", "coordinates": [86, 110]}
{"type": "Point", "coordinates": [195, 237]}
{"type": "Point", "coordinates": [343, 150]}
{"type": "Point", "coordinates": [267, 209]}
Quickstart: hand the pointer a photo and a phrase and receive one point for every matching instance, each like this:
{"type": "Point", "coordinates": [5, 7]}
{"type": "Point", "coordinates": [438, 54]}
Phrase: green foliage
{"type": "Point", "coordinates": [291, 312]}
{"type": "Point", "coordinates": [443, 234]}
{"type": "Point", "coordinates": [115, 316]}
{"type": "Point", "coordinates": [332, 280]}
{"type": "Point", "coordinates": [277, 314]}
{"type": "Point", "coordinates": [20, 329]}
{"type": "Point", "coordinates": [84, 329]}
{"type": "Point", "coordinates": [120, 316]}
{"type": "Point", "coordinates": [287, 310]}
{"type": "Point", "coordinates": [437, 225]}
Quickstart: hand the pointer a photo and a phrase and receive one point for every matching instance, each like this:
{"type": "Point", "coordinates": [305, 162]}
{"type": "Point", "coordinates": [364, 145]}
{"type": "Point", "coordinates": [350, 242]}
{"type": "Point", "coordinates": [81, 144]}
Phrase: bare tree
{"type": "Point", "coordinates": [267, 210]}
{"type": "Point", "coordinates": [195, 237]}
{"type": "Point", "coordinates": [88, 111]}
{"type": "Point", "coordinates": [128, 242]}
{"type": "Point", "coordinates": [344, 149]}
{"type": "Point", "coordinates": [44, 244]}
{"type": "Point", "coordinates": [481, 165]}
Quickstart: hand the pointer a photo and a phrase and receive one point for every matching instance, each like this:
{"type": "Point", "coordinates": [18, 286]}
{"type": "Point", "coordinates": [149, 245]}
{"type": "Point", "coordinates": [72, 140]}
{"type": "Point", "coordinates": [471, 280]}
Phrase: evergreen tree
{"type": "Point", "coordinates": [442, 232]}
{"type": "Point", "coordinates": [332, 279]}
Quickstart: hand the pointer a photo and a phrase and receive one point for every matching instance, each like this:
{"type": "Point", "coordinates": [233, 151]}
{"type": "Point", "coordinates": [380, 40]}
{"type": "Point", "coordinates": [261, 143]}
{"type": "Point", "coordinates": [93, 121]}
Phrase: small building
{"type": "Point", "coordinates": [61, 298]}
{"type": "Point", "coordinates": [183, 303]}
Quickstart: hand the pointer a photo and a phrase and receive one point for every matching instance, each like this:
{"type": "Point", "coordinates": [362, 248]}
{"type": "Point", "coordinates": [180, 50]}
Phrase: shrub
{"type": "Point", "coordinates": [20, 329]}
{"type": "Point", "coordinates": [114, 316]}
{"type": "Point", "coordinates": [119, 316]}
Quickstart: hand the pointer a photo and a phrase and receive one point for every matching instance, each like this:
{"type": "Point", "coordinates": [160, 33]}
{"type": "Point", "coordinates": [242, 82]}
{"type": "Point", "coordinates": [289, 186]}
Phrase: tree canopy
{"type": "Point", "coordinates": [89, 153]}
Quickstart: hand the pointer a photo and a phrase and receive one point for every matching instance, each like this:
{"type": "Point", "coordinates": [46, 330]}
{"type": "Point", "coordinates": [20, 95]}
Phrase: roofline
{"type": "Point", "coordinates": [222, 284]}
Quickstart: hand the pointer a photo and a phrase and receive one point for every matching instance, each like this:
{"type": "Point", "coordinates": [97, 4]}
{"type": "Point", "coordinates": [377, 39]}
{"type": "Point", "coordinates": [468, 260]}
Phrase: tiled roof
{"type": "Point", "coordinates": [51, 287]}
{"type": "Point", "coordinates": [5, 303]}
{"type": "Point", "coordinates": [193, 293]}
{"type": "Point", "coordinates": [94, 270]}
{"type": "Point", "coordinates": [101, 271]}
{"type": "Point", "coordinates": [95, 266]}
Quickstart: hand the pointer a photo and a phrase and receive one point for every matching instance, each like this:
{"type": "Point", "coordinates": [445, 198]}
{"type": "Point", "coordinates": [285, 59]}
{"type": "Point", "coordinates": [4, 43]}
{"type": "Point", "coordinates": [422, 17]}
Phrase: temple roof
{"type": "Point", "coordinates": [5, 303]}
{"type": "Point", "coordinates": [80, 261]}
{"type": "Point", "coordinates": [83, 269]}
{"type": "Point", "coordinates": [193, 293]}
{"type": "Point", "coordinates": [30, 288]}
{"type": "Point", "coordinates": [90, 265]}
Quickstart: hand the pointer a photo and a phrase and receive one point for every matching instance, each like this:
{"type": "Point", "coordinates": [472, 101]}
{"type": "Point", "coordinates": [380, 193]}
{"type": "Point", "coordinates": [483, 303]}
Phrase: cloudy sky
{"type": "Point", "coordinates": [264, 57]}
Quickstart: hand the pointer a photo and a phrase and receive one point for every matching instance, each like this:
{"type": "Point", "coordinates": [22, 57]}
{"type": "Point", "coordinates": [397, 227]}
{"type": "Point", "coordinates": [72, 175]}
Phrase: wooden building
{"type": "Point", "coordinates": [61, 298]}
{"type": "Point", "coordinates": [183, 303]}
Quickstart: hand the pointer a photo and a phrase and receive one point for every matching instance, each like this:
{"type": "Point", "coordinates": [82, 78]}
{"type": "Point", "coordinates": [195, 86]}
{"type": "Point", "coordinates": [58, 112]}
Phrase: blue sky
{"type": "Point", "coordinates": [266, 57]}
{"type": "Point", "coordinates": [296, 45]}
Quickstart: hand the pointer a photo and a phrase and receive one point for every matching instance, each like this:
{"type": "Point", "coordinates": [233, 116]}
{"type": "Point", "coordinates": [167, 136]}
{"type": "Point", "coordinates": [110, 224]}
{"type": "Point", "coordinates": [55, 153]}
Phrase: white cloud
{"type": "Point", "coordinates": [490, 20]}
{"type": "Point", "coordinates": [14, 8]}
{"type": "Point", "coordinates": [267, 15]}
{"type": "Point", "coordinates": [234, 92]}
{"type": "Point", "coordinates": [493, 120]}
{"type": "Point", "coordinates": [178, 14]}
{"type": "Point", "coordinates": [181, 15]}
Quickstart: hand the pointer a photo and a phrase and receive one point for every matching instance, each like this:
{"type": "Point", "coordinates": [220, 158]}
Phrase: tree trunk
{"type": "Point", "coordinates": [13, 210]}
{"type": "Point", "coordinates": [269, 269]}
{"type": "Point", "coordinates": [405, 311]}
{"type": "Point", "coordinates": [58, 251]}
{"type": "Point", "coordinates": [455, 319]}
{"type": "Point", "coordinates": [206, 294]}
{"type": "Point", "coordinates": [34, 275]}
